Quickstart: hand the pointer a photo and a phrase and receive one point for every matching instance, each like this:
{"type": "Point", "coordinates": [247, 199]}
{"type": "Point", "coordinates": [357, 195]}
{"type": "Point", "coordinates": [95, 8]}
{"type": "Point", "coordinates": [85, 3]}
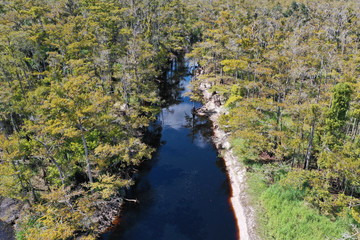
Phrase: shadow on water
{"type": "Point", "coordinates": [183, 191]}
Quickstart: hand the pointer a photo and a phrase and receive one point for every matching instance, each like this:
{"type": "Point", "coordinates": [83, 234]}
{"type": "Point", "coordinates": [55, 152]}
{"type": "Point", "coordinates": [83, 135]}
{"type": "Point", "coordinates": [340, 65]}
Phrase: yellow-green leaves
{"type": "Point", "coordinates": [109, 185]}
{"type": "Point", "coordinates": [233, 64]}
{"type": "Point", "coordinates": [79, 86]}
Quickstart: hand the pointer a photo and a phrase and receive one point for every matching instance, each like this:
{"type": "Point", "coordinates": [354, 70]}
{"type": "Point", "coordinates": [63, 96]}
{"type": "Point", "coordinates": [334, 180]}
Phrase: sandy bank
{"type": "Point", "coordinates": [244, 213]}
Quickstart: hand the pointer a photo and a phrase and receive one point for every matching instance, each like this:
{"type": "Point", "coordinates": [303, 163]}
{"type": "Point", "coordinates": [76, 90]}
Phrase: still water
{"type": "Point", "coordinates": [6, 231]}
{"type": "Point", "coordinates": [183, 191]}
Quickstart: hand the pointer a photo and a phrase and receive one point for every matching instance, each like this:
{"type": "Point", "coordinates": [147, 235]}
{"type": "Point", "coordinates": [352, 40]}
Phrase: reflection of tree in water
{"type": "Point", "coordinates": [171, 89]}
{"type": "Point", "coordinates": [170, 94]}
{"type": "Point", "coordinates": [198, 125]}
{"type": "Point", "coordinates": [152, 135]}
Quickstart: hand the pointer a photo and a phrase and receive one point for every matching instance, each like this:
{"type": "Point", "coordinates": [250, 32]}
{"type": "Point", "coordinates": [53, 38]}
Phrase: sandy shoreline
{"type": "Point", "coordinates": [244, 213]}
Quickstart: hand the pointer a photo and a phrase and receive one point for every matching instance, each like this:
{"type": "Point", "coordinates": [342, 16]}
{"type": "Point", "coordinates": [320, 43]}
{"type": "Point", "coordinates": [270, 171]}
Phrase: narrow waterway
{"type": "Point", "coordinates": [183, 191]}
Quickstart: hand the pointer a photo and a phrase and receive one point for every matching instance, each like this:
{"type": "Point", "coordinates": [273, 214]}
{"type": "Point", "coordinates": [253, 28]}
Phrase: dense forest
{"type": "Point", "coordinates": [80, 84]}
{"type": "Point", "coordinates": [287, 73]}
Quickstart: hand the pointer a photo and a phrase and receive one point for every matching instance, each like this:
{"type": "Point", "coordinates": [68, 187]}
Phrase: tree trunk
{"type": "Point", "coordinates": [278, 114]}
{"type": "Point", "coordinates": [354, 131]}
{"type": "Point", "coordinates": [308, 151]}
{"type": "Point", "coordinates": [20, 178]}
{"type": "Point", "coordinates": [353, 127]}
{"type": "Point", "coordinates": [59, 169]}
{"type": "Point", "coordinates": [20, 82]}
{"type": "Point", "coordinates": [26, 76]}
{"type": "Point", "coordinates": [3, 129]}
{"type": "Point", "coordinates": [62, 178]}
{"type": "Point", "coordinates": [215, 66]}
{"type": "Point", "coordinates": [86, 152]}
{"type": "Point", "coordinates": [313, 125]}
{"type": "Point", "coordinates": [13, 122]}
{"type": "Point", "coordinates": [109, 68]}
{"type": "Point", "coordinates": [293, 159]}
{"type": "Point", "coordinates": [6, 76]}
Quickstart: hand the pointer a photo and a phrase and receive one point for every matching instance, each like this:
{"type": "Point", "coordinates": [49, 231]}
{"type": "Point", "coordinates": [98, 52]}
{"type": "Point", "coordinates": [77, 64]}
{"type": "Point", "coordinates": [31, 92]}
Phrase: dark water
{"type": "Point", "coordinates": [183, 191]}
{"type": "Point", "coordinates": [6, 231]}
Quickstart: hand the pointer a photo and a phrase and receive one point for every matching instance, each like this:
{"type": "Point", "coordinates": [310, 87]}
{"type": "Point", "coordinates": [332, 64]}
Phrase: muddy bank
{"type": "Point", "coordinates": [107, 214]}
{"type": "Point", "coordinates": [10, 210]}
{"type": "Point", "coordinates": [244, 213]}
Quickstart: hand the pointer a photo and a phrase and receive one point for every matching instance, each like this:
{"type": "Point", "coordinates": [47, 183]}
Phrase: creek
{"type": "Point", "coordinates": [183, 191]}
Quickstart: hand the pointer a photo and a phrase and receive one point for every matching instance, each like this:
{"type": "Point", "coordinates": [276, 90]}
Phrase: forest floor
{"type": "Point", "coordinates": [244, 212]}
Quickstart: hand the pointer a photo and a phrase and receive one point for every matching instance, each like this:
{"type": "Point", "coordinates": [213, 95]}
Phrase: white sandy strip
{"type": "Point", "coordinates": [244, 213]}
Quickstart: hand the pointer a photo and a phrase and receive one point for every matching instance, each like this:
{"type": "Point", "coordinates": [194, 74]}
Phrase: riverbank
{"type": "Point", "coordinates": [12, 210]}
{"type": "Point", "coordinates": [263, 207]}
{"type": "Point", "coordinates": [245, 214]}
{"type": "Point", "coordinates": [9, 212]}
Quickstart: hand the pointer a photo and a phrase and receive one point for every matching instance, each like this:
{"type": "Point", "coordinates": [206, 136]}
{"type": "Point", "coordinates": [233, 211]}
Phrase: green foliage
{"type": "Point", "coordinates": [58, 218]}
{"type": "Point", "coordinates": [234, 65]}
{"type": "Point", "coordinates": [245, 152]}
{"type": "Point", "coordinates": [235, 97]}
{"type": "Point", "coordinates": [336, 116]}
{"type": "Point", "coordinates": [290, 82]}
{"type": "Point", "coordinates": [108, 186]}
{"type": "Point", "coordinates": [79, 86]}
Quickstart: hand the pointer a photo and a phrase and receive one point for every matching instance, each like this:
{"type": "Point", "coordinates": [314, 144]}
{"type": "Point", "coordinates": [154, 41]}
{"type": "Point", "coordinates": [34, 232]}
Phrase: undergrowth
{"type": "Point", "coordinates": [282, 212]}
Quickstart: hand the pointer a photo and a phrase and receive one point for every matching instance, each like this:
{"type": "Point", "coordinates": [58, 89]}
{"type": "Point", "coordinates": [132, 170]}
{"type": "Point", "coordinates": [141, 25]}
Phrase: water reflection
{"type": "Point", "coordinates": [182, 193]}
{"type": "Point", "coordinates": [200, 128]}
{"type": "Point", "coordinates": [173, 116]}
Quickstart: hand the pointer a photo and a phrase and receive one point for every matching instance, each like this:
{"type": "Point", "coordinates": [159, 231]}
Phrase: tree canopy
{"type": "Point", "coordinates": [287, 73]}
{"type": "Point", "coordinates": [79, 86]}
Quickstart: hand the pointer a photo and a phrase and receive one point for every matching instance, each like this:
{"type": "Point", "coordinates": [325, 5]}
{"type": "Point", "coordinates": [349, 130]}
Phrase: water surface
{"type": "Point", "coordinates": [183, 191]}
{"type": "Point", "coordinates": [6, 231]}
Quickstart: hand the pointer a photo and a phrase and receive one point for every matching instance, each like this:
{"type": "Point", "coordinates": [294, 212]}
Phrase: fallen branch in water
{"type": "Point", "coordinates": [131, 200]}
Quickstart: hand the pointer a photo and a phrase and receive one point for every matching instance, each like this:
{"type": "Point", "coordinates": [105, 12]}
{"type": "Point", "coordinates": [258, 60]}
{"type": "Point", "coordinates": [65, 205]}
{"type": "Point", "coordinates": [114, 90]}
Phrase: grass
{"type": "Point", "coordinates": [282, 213]}
{"type": "Point", "coordinates": [290, 218]}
